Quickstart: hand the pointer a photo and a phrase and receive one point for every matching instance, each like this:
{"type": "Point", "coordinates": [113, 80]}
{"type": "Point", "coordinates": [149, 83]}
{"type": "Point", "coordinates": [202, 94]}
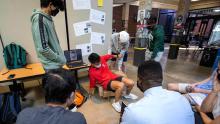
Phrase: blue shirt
{"type": "Point", "coordinates": [159, 106]}
{"type": "Point", "coordinates": [208, 85]}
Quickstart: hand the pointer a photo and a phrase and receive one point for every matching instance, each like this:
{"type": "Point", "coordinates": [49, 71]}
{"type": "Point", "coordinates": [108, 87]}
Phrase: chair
{"type": "Point", "coordinates": [104, 93]}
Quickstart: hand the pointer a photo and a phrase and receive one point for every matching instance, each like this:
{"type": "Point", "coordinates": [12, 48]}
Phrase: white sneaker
{"type": "Point", "coordinates": [117, 106]}
{"type": "Point", "coordinates": [131, 96]}
{"type": "Point", "coordinates": [74, 109]}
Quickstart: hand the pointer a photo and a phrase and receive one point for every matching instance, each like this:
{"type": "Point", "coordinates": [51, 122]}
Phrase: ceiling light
{"type": "Point", "coordinates": [216, 10]}
{"type": "Point", "coordinates": [194, 0]}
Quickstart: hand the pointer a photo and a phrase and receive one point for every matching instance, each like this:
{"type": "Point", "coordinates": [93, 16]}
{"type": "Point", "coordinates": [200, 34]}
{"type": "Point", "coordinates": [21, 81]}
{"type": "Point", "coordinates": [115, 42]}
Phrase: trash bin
{"type": "Point", "coordinates": [139, 56]}
{"type": "Point", "coordinates": [173, 51]}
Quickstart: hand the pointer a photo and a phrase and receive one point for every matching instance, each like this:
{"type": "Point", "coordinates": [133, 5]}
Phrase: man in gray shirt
{"type": "Point", "coordinates": [59, 86]}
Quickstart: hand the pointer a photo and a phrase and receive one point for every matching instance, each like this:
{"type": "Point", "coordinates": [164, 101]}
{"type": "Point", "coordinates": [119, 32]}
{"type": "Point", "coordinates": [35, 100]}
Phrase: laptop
{"type": "Point", "coordinates": [74, 58]}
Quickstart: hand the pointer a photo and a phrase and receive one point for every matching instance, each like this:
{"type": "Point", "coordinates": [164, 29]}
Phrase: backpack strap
{"type": "Point", "coordinates": [9, 55]}
{"type": "Point", "coordinates": [3, 46]}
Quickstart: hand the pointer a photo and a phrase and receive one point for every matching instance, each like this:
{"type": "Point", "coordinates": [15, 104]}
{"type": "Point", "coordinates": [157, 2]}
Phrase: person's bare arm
{"type": "Point", "coordinates": [199, 90]}
{"type": "Point", "coordinates": [201, 82]}
{"type": "Point", "coordinates": [205, 118]}
{"type": "Point", "coordinates": [209, 102]}
{"type": "Point", "coordinates": [216, 121]}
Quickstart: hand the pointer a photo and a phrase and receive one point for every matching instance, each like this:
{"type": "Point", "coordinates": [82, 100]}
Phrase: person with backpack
{"type": "Point", "coordinates": [44, 34]}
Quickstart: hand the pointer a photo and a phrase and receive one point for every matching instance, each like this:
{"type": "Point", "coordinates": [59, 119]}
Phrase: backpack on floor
{"type": "Point", "coordinates": [79, 98]}
{"type": "Point", "coordinates": [9, 107]}
{"type": "Point", "coordinates": [14, 56]}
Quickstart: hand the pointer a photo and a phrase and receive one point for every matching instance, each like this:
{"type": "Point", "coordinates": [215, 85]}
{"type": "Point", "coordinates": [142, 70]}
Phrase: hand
{"type": "Point", "coordinates": [198, 108]}
{"type": "Point", "coordinates": [193, 85]}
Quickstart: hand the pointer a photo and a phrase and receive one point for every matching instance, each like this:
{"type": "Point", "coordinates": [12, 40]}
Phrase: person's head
{"type": "Point", "coordinates": [94, 59]}
{"type": "Point", "coordinates": [149, 75]}
{"type": "Point", "coordinates": [152, 21]}
{"type": "Point", "coordinates": [59, 87]}
{"type": "Point", "coordinates": [52, 6]}
{"type": "Point", "coordinates": [123, 37]}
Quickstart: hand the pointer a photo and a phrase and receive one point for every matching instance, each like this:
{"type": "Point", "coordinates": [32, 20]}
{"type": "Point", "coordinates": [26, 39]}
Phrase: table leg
{"type": "Point", "coordinates": [78, 86]}
{"type": "Point", "coordinates": [15, 91]}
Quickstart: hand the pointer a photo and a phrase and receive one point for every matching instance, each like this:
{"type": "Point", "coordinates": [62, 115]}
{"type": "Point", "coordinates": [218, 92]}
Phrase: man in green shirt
{"type": "Point", "coordinates": [157, 44]}
{"type": "Point", "coordinates": [44, 34]}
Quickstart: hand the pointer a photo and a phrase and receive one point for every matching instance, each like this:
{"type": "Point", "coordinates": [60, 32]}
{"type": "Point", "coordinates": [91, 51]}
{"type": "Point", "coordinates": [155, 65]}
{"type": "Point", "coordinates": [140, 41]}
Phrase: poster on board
{"type": "Point", "coordinates": [97, 16]}
{"type": "Point", "coordinates": [82, 28]}
{"type": "Point", "coordinates": [81, 4]}
{"type": "Point", "coordinates": [86, 48]}
{"type": "Point", "coordinates": [97, 38]}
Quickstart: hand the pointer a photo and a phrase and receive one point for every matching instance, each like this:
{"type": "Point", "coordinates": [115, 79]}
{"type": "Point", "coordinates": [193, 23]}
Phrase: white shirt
{"type": "Point", "coordinates": [159, 106]}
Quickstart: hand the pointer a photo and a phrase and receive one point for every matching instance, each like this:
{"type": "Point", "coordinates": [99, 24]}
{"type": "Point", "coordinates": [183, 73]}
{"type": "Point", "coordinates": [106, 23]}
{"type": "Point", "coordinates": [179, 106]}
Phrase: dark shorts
{"type": "Point", "coordinates": [114, 59]}
{"type": "Point", "coordinates": [109, 88]}
{"type": "Point", "coordinates": [125, 57]}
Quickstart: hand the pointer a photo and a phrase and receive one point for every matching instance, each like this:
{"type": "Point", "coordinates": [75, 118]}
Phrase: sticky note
{"type": "Point", "coordinates": [100, 3]}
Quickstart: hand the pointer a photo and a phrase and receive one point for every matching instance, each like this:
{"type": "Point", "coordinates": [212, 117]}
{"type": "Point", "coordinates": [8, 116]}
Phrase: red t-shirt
{"type": "Point", "coordinates": [101, 75]}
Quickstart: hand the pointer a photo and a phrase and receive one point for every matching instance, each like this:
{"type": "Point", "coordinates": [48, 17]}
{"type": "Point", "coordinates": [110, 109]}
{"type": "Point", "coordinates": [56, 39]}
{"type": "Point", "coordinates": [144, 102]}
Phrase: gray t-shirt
{"type": "Point", "coordinates": [49, 115]}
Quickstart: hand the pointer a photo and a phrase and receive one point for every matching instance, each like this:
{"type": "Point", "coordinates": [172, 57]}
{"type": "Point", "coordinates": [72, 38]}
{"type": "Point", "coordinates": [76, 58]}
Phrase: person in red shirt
{"type": "Point", "coordinates": [100, 73]}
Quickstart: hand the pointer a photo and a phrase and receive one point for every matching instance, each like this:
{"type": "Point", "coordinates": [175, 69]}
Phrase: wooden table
{"type": "Point", "coordinates": [75, 69]}
{"type": "Point", "coordinates": [28, 72]}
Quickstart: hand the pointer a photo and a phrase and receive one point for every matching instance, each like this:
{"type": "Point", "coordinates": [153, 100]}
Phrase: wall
{"type": "Point", "coordinates": [83, 15]}
{"type": "Point", "coordinates": [204, 4]}
{"type": "Point", "coordinates": [132, 22]}
{"type": "Point", "coordinates": [117, 17]}
{"type": "Point", "coordinates": [15, 25]}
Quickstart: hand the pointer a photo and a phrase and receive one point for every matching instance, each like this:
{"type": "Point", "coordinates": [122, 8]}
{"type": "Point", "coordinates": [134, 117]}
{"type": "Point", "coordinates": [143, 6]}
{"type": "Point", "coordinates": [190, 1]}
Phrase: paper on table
{"type": "Point", "coordinates": [97, 38]}
{"type": "Point", "coordinates": [86, 48]}
{"type": "Point", "coordinates": [97, 16]}
{"type": "Point", "coordinates": [197, 97]}
{"type": "Point", "coordinates": [82, 28]}
{"type": "Point", "coordinates": [81, 4]}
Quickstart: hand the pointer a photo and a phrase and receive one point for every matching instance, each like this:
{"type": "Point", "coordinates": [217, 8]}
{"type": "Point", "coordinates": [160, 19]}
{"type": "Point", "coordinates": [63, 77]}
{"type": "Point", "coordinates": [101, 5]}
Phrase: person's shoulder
{"type": "Point", "coordinates": [29, 110]}
{"type": "Point", "coordinates": [76, 117]}
{"type": "Point", "coordinates": [27, 113]}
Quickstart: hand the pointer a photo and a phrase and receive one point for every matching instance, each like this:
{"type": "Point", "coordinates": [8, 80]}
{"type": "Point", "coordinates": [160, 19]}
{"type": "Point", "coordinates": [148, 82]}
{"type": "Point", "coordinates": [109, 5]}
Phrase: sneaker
{"type": "Point", "coordinates": [74, 109]}
{"type": "Point", "coordinates": [131, 96]}
{"type": "Point", "coordinates": [117, 106]}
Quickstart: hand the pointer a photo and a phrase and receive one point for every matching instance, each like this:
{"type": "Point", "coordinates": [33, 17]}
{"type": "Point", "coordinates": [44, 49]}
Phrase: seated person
{"type": "Point", "coordinates": [59, 87]}
{"type": "Point", "coordinates": [100, 73]}
{"type": "Point", "coordinates": [158, 106]}
{"type": "Point", "coordinates": [212, 103]}
{"type": "Point", "coordinates": [204, 86]}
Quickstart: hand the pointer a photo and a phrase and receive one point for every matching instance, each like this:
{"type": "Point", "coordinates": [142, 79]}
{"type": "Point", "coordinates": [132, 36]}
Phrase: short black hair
{"type": "Point", "coordinates": [58, 85]}
{"type": "Point", "coordinates": [150, 72]}
{"type": "Point", "coordinates": [94, 58]}
{"type": "Point", "coordinates": [57, 3]}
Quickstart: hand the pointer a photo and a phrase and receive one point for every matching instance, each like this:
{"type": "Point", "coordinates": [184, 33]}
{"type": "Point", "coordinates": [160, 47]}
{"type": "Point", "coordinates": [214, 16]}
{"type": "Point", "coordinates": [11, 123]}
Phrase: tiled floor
{"type": "Point", "coordinates": [100, 111]}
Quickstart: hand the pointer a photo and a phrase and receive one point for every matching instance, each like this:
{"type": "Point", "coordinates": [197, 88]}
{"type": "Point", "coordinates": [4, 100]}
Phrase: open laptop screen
{"type": "Point", "coordinates": [73, 55]}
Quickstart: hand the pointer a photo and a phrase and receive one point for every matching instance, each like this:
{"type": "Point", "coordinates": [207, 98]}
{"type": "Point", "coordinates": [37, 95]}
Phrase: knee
{"type": "Point", "coordinates": [130, 83]}
{"type": "Point", "coordinates": [120, 86]}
